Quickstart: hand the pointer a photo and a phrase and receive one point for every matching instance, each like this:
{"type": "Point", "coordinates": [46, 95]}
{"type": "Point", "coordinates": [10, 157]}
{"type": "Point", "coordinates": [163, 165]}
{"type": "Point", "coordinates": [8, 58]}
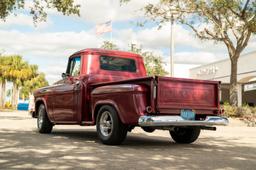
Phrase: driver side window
{"type": "Point", "coordinates": [74, 66]}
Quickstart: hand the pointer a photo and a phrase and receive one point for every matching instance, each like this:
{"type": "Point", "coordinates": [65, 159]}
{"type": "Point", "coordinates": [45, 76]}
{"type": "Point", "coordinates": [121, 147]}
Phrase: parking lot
{"type": "Point", "coordinates": [75, 147]}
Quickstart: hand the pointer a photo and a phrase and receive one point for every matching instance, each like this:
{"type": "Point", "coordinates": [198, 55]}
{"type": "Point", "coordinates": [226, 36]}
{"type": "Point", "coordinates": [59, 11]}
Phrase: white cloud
{"type": "Point", "coordinates": [49, 50]}
{"type": "Point", "coordinates": [45, 43]}
{"type": "Point", "coordinates": [97, 11]}
{"type": "Point", "coordinates": [23, 20]}
{"type": "Point", "coordinates": [155, 38]}
{"type": "Point", "coordinates": [53, 72]}
{"type": "Point", "coordinates": [196, 57]}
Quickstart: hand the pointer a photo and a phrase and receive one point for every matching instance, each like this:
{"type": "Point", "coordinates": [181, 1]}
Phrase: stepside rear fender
{"type": "Point", "coordinates": [129, 100]}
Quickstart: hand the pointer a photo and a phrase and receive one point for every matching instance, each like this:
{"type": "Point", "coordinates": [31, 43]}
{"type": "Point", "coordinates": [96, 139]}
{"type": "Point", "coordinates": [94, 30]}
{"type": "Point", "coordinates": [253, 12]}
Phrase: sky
{"type": "Point", "coordinates": [50, 43]}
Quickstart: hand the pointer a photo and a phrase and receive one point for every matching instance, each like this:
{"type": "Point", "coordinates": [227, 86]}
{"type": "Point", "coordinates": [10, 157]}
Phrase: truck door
{"type": "Point", "coordinates": [64, 108]}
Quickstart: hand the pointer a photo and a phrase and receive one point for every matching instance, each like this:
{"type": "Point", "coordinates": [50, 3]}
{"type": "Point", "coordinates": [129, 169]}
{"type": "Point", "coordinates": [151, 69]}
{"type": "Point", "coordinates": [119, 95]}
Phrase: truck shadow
{"type": "Point", "coordinates": [81, 149]}
{"type": "Point", "coordinates": [132, 139]}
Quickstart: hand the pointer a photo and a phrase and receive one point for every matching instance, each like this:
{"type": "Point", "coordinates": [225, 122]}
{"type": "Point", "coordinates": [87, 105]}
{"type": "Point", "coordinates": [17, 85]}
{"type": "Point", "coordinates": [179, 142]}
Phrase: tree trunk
{"type": "Point", "coordinates": [2, 93]}
{"type": "Point", "coordinates": [15, 95]}
{"type": "Point", "coordinates": [233, 82]}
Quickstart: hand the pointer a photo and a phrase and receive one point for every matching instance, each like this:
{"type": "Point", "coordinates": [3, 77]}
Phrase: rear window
{"type": "Point", "coordinates": [117, 64]}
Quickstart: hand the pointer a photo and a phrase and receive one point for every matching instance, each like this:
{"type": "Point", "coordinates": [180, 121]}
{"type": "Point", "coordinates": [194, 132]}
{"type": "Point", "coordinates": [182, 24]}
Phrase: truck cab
{"type": "Point", "coordinates": [110, 89]}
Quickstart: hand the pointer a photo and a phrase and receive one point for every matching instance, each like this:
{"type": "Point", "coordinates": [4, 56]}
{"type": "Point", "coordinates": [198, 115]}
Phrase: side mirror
{"type": "Point", "coordinates": [64, 75]}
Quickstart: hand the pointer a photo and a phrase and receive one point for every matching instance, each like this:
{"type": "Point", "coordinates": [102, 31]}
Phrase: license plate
{"type": "Point", "coordinates": [187, 114]}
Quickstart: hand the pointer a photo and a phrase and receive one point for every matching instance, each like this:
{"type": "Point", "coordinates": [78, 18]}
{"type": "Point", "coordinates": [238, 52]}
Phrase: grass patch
{"type": "Point", "coordinates": [6, 110]}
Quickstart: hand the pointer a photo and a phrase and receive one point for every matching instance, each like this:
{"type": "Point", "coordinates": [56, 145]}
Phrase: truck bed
{"type": "Point", "coordinates": [168, 96]}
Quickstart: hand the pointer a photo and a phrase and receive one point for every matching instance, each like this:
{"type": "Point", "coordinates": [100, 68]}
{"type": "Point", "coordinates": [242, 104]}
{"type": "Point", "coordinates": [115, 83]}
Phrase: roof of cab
{"type": "Point", "coordinates": [106, 52]}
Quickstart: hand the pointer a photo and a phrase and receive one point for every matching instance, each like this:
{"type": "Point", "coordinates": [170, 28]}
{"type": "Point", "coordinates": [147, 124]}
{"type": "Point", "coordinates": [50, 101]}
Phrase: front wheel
{"type": "Point", "coordinates": [43, 123]}
{"type": "Point", "coordinates": [185, 135]}
{"type": "Point", "coordinates": [110, 129]}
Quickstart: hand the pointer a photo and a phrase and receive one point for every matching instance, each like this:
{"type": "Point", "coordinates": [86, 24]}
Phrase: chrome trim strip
{"type": "Point", "coordinates": [179, 121]}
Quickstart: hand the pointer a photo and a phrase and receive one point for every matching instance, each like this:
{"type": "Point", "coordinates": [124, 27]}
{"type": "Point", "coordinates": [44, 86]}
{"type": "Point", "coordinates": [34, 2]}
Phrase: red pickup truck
{"type": "Point", "coordinates": [110, 89]}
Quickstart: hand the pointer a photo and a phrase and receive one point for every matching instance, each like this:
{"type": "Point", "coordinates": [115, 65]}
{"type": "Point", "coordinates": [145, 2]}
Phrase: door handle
{"type": "Point", "coordinates": [77, 83]}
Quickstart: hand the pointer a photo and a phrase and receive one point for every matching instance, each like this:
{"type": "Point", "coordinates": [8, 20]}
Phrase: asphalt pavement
{"type": "Point", "coordinates": [76, 147]}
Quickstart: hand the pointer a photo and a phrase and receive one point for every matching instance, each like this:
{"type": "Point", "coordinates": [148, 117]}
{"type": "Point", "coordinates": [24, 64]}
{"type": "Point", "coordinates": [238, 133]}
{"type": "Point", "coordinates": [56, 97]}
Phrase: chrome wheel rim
{"type": "Point", "coordinates": [106, 124]}
{"type": "Point", "coordinates": [40, 119]}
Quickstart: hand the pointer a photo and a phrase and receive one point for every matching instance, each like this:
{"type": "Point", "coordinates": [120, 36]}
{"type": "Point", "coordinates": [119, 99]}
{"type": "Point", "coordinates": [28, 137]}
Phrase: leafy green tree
{"type": "Point", "coordinates": [231, 22]}
{"type": "Point", "coordinates": [153, 63]}
{"type": "Point", "coordinates": [38, 8]}
{"type": "Point", "coordinates": [109, 46]}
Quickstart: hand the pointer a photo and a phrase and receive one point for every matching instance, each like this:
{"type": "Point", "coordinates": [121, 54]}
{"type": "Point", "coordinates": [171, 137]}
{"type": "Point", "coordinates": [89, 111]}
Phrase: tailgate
{"type": "Point", "coordinates": [174, 94]}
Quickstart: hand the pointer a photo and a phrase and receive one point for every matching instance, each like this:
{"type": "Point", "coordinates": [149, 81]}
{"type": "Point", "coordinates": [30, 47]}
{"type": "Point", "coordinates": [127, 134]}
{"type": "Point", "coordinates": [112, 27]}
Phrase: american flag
{"type": "Point", "coordinates": [103, 27]}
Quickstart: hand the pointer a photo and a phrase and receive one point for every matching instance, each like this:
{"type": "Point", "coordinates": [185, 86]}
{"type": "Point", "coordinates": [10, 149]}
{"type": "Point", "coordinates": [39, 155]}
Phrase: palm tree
{"type": "Point", "coordinates": [2, 91]}
{"type": "Point", "coordinates": [19, 73]}
{"type": "Point", "coordinates": [4, 66]}
{"type": "Point", "coordinates": [32, 84]}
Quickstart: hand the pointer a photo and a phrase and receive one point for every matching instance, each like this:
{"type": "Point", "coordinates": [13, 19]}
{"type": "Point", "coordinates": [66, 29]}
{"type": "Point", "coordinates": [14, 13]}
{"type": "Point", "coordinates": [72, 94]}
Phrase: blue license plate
{"type": "Point", "coordinates": [187, 114]}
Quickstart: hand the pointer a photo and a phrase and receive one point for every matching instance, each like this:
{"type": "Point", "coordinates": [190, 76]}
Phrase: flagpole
{"type": "Point", "coordinates": [172, 48]}
{"type": "Point", "coordinates": [111, 34]}
{"type": "Point", "coordinates": [111, 20]}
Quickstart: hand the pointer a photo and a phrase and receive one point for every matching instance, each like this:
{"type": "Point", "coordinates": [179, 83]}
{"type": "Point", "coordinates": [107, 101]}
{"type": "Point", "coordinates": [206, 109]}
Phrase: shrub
{"type": "Point", "coordinates": [229, 111]}
{"type": "Point", "coordinates": [245, 113]}
{"type": "Point", "coordinates": [8, 105]}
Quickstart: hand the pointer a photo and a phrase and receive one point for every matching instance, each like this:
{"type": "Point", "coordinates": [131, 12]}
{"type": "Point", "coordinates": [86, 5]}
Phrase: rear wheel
{"type": "Point", "coordinates": [185, 135]}
{"type": "Point", "coordinates": [148, 129]}
{"type": "Point", "coordinates": [110, 129]}
{"type": "Point", "coordinates": [43, 123]}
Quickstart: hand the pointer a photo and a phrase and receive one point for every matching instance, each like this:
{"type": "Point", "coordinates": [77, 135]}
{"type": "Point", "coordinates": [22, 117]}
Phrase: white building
{"type": "Point", "coordinates": [220, 71]}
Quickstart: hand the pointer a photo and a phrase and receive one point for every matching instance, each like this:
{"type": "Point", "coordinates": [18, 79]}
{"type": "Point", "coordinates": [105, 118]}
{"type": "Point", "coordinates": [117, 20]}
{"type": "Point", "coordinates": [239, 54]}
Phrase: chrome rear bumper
{"type": "Point", "coordinates": [159, 121]}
